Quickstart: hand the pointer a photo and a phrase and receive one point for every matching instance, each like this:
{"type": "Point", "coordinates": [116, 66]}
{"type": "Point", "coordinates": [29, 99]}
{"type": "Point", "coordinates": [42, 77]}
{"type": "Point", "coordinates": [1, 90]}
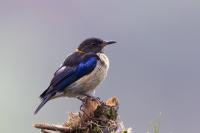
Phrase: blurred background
{"type": "Point", "coordinates": [155, 67]}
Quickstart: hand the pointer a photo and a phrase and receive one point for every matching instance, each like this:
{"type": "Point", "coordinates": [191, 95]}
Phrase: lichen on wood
{"type": "Point", "coordinates": [94, 116]}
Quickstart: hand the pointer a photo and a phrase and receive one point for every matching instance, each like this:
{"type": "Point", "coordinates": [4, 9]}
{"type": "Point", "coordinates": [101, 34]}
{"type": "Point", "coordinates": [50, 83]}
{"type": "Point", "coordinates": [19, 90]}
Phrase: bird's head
{"type": "Point", "coordinates": [95, 45]}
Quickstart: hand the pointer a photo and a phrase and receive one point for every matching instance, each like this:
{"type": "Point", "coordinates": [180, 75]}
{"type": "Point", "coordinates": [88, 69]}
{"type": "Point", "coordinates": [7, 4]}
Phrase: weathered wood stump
{"type": "Point", "coordinates": [94, 117]}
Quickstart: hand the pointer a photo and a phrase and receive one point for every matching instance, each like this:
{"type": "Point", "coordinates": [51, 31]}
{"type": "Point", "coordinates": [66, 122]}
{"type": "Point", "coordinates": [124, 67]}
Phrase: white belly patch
{"type": "Point", "coordinates": [89, 82]}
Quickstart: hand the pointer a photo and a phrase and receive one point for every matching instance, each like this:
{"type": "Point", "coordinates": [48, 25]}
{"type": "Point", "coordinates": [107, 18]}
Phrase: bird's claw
{"type": "Point", "coordinates": [94, 98]}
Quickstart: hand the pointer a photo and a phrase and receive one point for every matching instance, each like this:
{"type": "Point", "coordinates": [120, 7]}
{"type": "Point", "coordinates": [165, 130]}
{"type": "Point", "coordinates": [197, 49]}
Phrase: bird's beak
{"type": "Point", "coordinates": [109, 42]}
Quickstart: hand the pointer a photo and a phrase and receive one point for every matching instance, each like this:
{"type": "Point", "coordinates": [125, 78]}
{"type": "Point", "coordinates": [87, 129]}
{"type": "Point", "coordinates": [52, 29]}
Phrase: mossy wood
{"type": "Point", "coordinates": [94, 117]}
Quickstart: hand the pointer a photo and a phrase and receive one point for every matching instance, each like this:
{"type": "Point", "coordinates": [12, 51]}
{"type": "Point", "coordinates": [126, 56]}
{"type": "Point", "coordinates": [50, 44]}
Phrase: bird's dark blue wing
{"type": "Point", "coordinates": [71, 74]}
{"type": "Point", "coordinates": [67, 74]}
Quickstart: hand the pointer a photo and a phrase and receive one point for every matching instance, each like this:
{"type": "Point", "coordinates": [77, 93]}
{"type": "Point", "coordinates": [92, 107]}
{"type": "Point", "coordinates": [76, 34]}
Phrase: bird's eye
{"type": "Point", "coordinates": [93, 44]}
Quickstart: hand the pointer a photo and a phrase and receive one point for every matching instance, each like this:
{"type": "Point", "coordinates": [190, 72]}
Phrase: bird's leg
{"type": "Point", "coordinates": [94, 98]}
{"type": "Point", "coordinates": [90, 96]}
{"type": "Point", "coordinates": [84, 102]}
{"type": "Point", "coordinates": [81, 109]}
{"type": "Point", "coordinates": [81, 98]}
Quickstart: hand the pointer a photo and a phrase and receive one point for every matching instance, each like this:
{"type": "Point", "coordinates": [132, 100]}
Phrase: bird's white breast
{"type": "Point", "coordinates": [89, 82]}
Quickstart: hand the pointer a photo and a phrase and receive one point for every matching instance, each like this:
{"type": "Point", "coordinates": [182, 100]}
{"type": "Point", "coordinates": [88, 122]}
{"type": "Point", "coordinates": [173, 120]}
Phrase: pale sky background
{"type": "Point", "coordinates": [155, 67]}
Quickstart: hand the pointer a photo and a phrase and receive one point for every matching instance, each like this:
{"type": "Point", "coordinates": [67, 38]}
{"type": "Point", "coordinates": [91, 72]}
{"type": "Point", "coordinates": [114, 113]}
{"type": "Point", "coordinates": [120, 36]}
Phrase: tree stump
{"type": "Point", "coordinates": [94, 116]}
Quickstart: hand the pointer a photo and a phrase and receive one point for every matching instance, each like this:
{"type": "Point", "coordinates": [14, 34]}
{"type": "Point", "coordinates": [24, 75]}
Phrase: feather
{"type": "Point", "coordinates": [74, 67]}
{"type": "Point", "coordinates": [44, 101]}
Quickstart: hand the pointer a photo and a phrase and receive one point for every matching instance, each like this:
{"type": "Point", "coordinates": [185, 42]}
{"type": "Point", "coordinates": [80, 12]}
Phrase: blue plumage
{"type": "Point", "coordinates": [81, 70]}
{"type": "Point", "coordinates": [78, 73]}
{"type": "Point", "coordinates": [86, 67]}
{"type": "Point", "coordinates": [65, 76]}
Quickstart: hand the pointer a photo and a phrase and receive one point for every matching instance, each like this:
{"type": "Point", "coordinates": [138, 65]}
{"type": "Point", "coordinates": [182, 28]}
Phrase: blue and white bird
{"type": "Point", "coordinates": [80, 73]}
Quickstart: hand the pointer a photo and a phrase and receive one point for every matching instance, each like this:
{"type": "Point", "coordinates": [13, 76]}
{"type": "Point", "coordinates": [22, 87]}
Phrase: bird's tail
{"type": "Point", "coordinates": [44, 101]}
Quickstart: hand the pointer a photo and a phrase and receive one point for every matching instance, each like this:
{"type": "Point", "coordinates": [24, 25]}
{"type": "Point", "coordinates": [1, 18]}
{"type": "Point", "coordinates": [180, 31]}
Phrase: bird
{"type": "Point", "coordinates": [80, 73]}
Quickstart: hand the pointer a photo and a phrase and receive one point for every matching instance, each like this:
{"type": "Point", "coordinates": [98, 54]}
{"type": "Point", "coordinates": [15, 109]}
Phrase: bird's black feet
{"type": "Point", "coordinates": [81, 98]}
{"type": "Point", "coordinates": [86, 101]}
{"type": "Point", "coordinates": [83, 105]}
{"type": "Point", "coordinates": [93, 98]}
